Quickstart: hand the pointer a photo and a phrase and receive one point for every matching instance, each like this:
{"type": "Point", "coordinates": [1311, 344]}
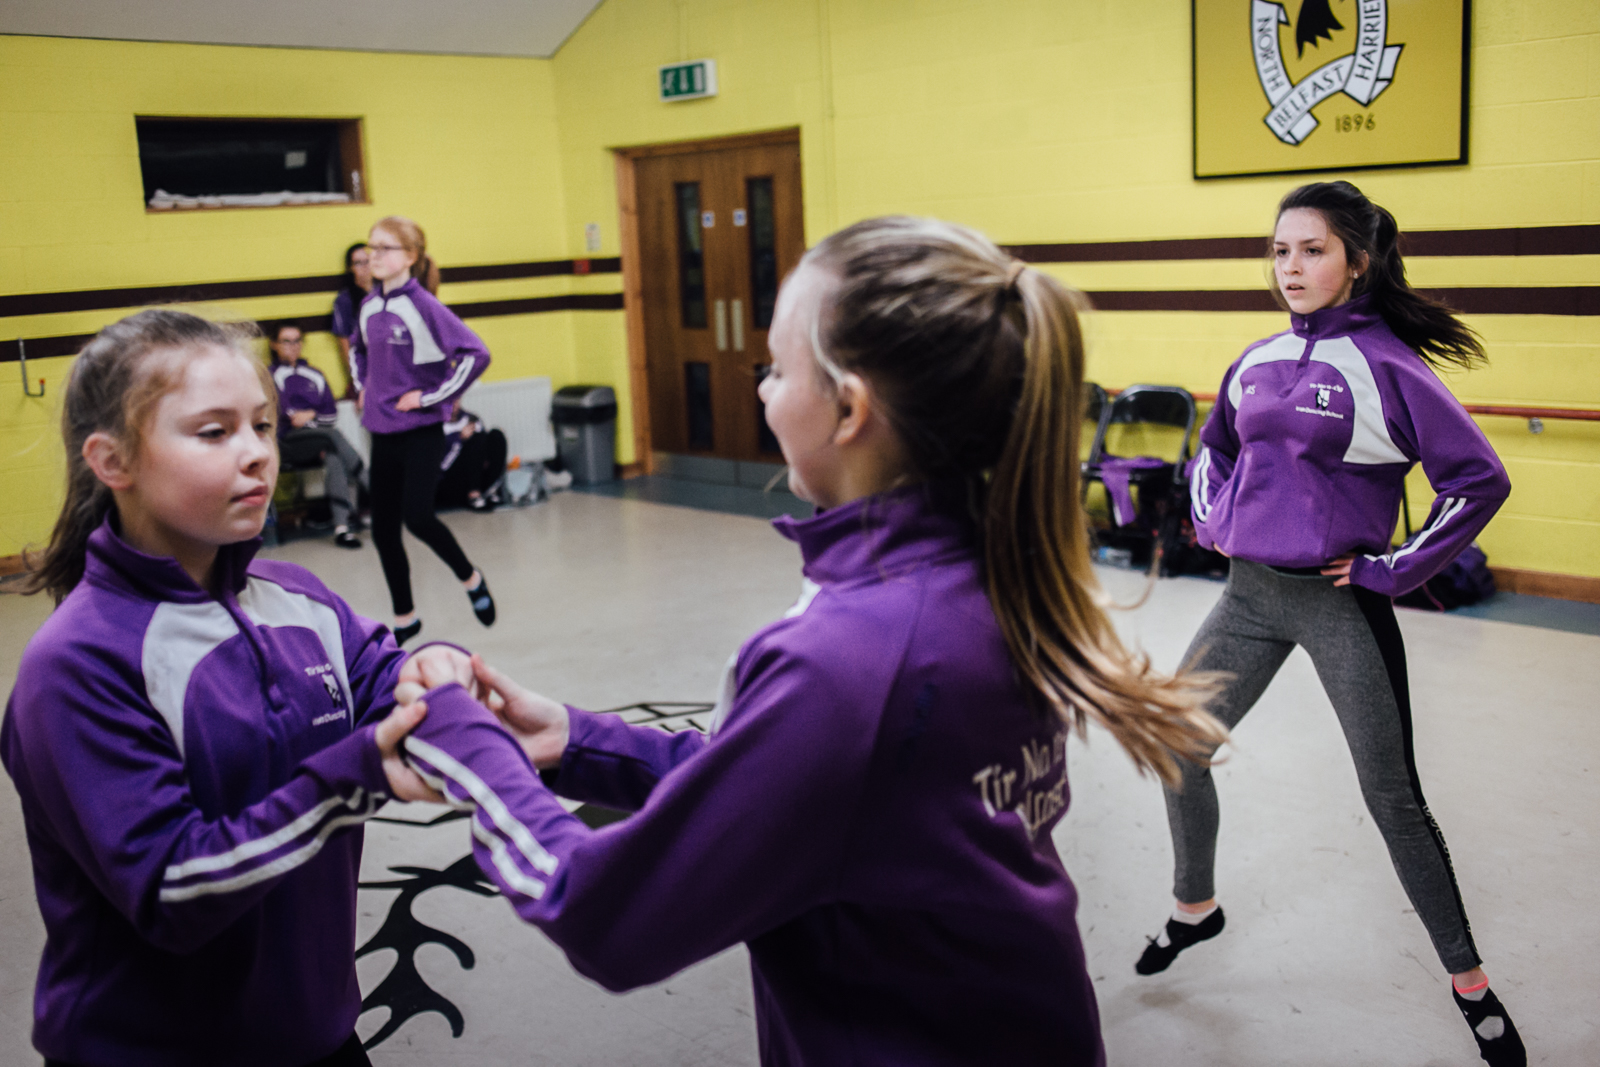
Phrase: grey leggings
{"type": "Point", "coordinates": [1355, 645]}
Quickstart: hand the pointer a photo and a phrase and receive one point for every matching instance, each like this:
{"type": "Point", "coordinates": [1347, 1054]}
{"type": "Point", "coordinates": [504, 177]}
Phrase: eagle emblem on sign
{"type": "Point", "coordinates": [1361, 75]}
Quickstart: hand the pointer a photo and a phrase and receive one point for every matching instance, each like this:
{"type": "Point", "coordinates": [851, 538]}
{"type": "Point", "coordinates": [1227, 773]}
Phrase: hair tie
{"type": "Point", "coordinates": [1013, 272]}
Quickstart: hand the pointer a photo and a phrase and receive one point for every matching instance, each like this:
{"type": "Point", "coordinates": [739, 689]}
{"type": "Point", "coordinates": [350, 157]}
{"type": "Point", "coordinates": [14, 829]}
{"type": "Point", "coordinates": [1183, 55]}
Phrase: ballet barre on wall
{"type": "Point", "coordinates": [22, 358]}
{"type": "Point", "coordinates": [1535, 416]}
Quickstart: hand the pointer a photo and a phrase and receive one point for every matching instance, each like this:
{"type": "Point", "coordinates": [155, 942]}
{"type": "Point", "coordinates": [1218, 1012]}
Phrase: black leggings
{"type": "Point", "coordinates": [404, 478]}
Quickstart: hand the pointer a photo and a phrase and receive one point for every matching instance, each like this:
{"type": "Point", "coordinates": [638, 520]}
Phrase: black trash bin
{"type": "Point", "coordinates": [585, 419]}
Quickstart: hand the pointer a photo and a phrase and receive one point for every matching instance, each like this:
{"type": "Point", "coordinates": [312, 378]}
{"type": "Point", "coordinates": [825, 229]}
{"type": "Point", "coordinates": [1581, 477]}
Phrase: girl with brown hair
{"type": "Point", "coordinates": [196, 735]}
{"type": "Point", "coordinates": [872, 810]}
{"type": "Point", "coordinates": [1299, 479]}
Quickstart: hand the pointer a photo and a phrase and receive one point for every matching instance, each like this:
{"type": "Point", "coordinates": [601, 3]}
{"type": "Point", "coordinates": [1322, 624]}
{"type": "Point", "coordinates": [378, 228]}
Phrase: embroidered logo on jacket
{"type": "Point", "coordinates": [398, 334]}
{"type": "Point", "coordinates": [1324, 398]}
{"type": "Point", "coordinates": [335, 694]}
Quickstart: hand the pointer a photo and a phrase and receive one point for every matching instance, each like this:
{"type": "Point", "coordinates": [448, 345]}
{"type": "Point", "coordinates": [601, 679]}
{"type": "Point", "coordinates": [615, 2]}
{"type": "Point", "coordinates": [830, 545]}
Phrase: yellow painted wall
{"type": "Point", "coordinates": [1034, 120]}
{"type": "Point", "coordinates": [466, 146]}
{"type": "Point", "coordinates": [1040, 121]}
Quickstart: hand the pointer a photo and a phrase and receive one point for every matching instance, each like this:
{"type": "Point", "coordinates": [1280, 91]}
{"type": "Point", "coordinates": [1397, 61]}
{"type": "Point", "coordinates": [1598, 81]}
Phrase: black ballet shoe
{"type": "Point", "coordinates": [482, 602]}
{"type": "Point", "coordinates": [1158, 957]}
{"type": "Point", "coordinates": [1498, 1041]}
{"type": "Point", "coordinates": [402, 634]}
{"type": "Point", "coordinates": [346, 539]}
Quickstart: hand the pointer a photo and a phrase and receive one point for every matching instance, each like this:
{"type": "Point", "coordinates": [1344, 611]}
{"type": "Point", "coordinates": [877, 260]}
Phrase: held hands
{"type": "Point", "coordinates": [433, 666]}
{"type": "Point", "coordinates": [540, 725]}
{"type": "Point", "coordinates": [410, 401]}
{"type": "Point", "coordinates": [428, 668]}
{"type": "Point", "coordinates": [302, 418]}
{"type": "Point", "coordinates": [404, 783]}
{"type": "Point", "coordinates": [1341, 568]}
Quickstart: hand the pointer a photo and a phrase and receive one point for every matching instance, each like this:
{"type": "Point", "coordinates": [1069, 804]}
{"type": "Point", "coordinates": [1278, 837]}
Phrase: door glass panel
{"type": "Point", "coordinates": [697, 398]}
{"type": "Point", "coordinates": [763, 252]}
{"type": "Point", "coordinates": [691, 256]}
{"type": "Point", "coordinates": [766, 440]}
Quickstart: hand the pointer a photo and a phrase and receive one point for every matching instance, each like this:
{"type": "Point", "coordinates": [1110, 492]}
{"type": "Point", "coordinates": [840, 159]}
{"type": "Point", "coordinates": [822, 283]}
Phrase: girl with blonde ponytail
{"type": "Point", "coordinates": [872, 810]}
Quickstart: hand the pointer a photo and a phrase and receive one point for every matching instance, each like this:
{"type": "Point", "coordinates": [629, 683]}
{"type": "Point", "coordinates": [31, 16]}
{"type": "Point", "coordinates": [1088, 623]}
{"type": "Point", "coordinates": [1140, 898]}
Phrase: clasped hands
{"type": "Point", "coordinates": [540, 725]}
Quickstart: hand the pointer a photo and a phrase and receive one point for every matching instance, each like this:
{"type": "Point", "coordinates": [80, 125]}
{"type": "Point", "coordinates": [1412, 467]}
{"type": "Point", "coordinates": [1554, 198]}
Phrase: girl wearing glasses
{"type": "Point", "coordinates": [412, 357]}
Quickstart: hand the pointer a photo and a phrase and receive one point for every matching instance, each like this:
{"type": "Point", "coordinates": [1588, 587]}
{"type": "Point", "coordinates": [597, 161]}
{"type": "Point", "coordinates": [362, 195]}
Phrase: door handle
{"type": "Point", "coordinates": [722, 325]}
{"type": "Point", "coordinates": [738, 325]}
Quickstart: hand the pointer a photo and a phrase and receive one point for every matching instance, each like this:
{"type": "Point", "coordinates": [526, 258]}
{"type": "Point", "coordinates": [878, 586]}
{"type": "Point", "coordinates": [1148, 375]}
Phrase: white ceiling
{"type": "Point", "coordinates": [469, 27]}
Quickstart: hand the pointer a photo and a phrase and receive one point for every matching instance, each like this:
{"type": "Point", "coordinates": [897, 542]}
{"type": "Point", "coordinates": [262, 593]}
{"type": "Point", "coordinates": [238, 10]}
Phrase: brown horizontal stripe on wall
{"type": "Point", "coordinates": [71, 345]}
{"type": "Point", "coordinates": [100, 299]}
{"type": "Point", "coordinates": [1525, 241]}
{"type": "Point", "coordinates": [1484, 300]}
{"type": "Point", "coordinates": [530, 305]}
{"type": "Point", "coordinates": [497, 271]}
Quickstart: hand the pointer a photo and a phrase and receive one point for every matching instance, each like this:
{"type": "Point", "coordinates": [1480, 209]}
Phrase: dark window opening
{"type": "Point", "coordinates": [763, 251]}
{"type": "Point", "coordinates": [250, 162]}
{"type": "Point", "coordinates": [697, 390]}
{"type": "Point", "coordinates": [691, 257]}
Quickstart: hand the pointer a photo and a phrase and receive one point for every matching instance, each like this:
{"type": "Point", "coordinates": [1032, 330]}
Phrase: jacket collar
{"type": "Point", "coordinates": [877, 536]}
{"type": "Point", "coordinates": [1352, 316]}
{"type": "Point", "coordinates": [113, 562]}
{"type": "Point", "coordinates": [407, 289]}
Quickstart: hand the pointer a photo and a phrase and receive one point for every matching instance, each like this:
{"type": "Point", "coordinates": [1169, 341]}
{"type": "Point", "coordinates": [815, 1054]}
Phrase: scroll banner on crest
{"type": "Point", "coordinates": [1361, 75]}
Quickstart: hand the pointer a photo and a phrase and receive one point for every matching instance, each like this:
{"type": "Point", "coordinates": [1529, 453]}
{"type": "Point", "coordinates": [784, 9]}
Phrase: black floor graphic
{"type": "Point", "coordinates": [403, 991]}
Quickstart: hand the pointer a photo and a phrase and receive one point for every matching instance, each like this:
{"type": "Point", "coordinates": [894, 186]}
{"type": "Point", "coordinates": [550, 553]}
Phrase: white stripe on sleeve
{"type": "Point", "coordinates": [487, 800]}
{"type": "Point", "coordinates": [261, 845]}
{"type": "Point", "coordinates": [449, 387]}
{"type": "Point", "coordinates": [1452, 507]}
{"type": "Point", "coordinates": [282, 865]}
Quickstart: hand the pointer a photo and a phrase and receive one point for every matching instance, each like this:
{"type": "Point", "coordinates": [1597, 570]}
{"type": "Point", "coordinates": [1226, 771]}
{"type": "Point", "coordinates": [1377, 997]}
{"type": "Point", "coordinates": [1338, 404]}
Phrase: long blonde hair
{"type": "Point", "coordinates": [979, 363]}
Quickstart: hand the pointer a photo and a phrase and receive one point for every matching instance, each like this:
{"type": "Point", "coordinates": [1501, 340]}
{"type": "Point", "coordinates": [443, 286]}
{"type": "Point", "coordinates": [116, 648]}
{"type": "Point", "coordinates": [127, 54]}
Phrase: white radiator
{"type": "Point", "coordinates": [519, 407]}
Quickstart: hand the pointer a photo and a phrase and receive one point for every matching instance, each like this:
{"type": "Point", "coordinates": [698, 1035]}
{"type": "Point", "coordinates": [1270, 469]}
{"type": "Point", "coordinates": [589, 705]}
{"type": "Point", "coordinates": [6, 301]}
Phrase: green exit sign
{"type": "Point", "coordinates": [689, 81]}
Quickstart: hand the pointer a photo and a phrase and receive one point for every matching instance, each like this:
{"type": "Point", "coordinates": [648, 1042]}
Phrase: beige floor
{"type": "Point", "coordinates": [610, 602]}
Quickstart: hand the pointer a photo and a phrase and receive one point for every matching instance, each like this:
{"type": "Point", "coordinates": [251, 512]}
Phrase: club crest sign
{"type": "Point", "coordinates": [1306, 85]}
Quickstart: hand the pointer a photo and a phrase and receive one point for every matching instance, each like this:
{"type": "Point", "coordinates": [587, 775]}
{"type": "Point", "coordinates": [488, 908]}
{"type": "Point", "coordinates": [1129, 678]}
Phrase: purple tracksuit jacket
{"type": "Point", "coordinates": [1304, 458]}
{"type": "Point", "coordinates": [872, 816]}
{"type": "Point", "coordinates": [301, 387]}
{"type": "Point", "coordinates": [405, 340]}
{"type": "Point", "coordinates": [190, 767]}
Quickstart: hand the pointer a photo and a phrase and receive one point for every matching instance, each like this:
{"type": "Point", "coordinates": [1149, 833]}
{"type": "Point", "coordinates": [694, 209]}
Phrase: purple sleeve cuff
{"type": "Point", "coordinates": [611, 763]}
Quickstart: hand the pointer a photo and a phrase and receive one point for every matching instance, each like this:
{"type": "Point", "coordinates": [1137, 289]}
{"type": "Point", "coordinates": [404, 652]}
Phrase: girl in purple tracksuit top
{"type": "Point", "coordinates": [413, 359]}
{"type": "Point", "coordinates": [195, 737]}
{"type": "Point", "coordinates": [1299, 479]}
{"type": "Point", "coordinates": [872, 811]}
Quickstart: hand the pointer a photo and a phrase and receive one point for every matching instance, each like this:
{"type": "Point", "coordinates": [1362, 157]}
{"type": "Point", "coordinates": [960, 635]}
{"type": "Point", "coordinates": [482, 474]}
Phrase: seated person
{"type": "Point", "coordinates": [306, 414]}
{"type": "Point", "coordinates": [474, 464]}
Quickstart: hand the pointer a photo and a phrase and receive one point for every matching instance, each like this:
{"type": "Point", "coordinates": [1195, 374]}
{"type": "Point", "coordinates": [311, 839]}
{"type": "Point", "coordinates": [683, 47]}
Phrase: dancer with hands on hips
{"type": "Point", "coordinates": [1299, 479]}
{"type": "Point", "coordinates": [413, 359]}
{"type": "Point", "coordinates": [872, 811]}
{"type": "Point", "coordinates": [195, 735]}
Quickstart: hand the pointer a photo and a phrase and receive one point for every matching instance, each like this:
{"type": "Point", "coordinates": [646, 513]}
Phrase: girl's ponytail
{"type": "Point", "coordinates": [980, 366]}
{"type": "Point", "coordinates": [1041, 585]}
{"type": "Point", "coordinates": [113, 387]}
{"type": "Point", "coordinates": [426, 271]}
{"type": "Point", "coordinates": [1426, 325]}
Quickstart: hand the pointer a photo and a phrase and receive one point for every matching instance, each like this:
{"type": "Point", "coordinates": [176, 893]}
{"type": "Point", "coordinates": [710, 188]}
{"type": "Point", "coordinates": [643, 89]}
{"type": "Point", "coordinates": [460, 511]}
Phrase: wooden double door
{"type": "Point", "coordinates": [718, 229]}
